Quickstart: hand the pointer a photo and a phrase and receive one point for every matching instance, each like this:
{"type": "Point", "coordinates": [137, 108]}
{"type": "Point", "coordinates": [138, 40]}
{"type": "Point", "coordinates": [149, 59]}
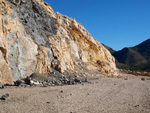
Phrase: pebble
{"type": "Point", "coordinates": [86, 80]}
{"type": "Point", "coordinates": [61, 91]}
{"type": "Point", "coordinates": [125, 78]}
{"type": "Point", "coordinates": [136, 106]}
{"type": "Point", "coordinates": [1, 87]}
{"type": "Point", "coordinates": [142, 79]}
{"type": "Point", "coordinates": [148, 78]}
{"type": "Point", "coordinates": [4, 97]}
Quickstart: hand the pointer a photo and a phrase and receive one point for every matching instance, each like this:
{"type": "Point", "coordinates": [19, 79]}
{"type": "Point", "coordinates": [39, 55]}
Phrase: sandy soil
{"type": "Point", "coordinates": [102, 95]}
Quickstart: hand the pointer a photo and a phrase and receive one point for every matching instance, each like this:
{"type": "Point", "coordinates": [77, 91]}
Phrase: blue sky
{"type": "Point", "coordinates": [116, 23]}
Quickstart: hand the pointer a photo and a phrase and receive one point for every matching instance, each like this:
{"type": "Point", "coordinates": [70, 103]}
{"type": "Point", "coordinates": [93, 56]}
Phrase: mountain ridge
{"type": "Point", "coordinates": [134, 58]}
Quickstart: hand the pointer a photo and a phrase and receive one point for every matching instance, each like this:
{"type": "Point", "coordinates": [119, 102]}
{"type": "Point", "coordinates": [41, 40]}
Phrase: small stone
{"type": "Point", "coordinates": [28, 80]}
{"type": "Point", "coordinates": [86, 80]}
{"type": "Point", "coordinates": [27, 86]}
{"type": "Point", "coordinates": [73, 82]}
{"type": "Point", "coordinates": [45, 85]}
{"type": "Point", "coordinates": [2, 87]}
{"type": "Point", "coordinates": [19, 82]}
{"type": "Point", "coordinates": [125, 78]}
{"type": "Point", "coordinates": [49, 84]}
{"type": "Point", "coordinates": [148, 78]}
{"type": "Point", "coordinates": [77, 80]}
{"type": "Point", "coordinates": [4, 97]}
{"type": "Point", "coordinates": [136, 106]}
{"type": "Point", "coordinates": [61, 91]}
{"type": "Point", "coordinates": [143, 79]}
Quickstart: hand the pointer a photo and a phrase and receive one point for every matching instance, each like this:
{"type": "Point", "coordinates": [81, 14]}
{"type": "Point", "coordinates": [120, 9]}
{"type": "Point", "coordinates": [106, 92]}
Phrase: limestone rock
{"type": "Point", "coordinates": [35, 39]}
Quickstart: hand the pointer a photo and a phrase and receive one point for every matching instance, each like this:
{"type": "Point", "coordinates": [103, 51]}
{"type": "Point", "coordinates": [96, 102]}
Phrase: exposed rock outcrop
{"type": "Point", "coordinates": [34, 39]}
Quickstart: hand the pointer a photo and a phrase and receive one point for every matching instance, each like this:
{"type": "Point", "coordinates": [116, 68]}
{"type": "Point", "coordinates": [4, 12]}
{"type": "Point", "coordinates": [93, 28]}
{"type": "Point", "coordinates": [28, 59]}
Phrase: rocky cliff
{"type": "Point", "coordinates": [35, 39]}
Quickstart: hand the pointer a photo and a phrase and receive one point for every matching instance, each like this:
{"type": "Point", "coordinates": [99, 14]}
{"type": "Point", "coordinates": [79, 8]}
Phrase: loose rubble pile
{"type": "Point", "coordinates": [36, 79]}
{"type": "Point", "coordinates": [44, 81]}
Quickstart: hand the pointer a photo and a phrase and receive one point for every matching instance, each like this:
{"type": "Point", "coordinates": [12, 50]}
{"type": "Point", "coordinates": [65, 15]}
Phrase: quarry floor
{"type": "Point", "coordinates": [128, 94]}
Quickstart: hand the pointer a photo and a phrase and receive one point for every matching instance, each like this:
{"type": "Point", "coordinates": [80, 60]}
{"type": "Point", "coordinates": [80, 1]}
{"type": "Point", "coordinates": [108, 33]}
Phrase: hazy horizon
{"type": "Point", "coordinates": [116, 23]}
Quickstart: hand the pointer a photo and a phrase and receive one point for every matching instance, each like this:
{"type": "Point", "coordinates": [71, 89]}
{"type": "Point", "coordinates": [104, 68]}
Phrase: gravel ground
{"type": "Point", "coordinates": [127, 94]}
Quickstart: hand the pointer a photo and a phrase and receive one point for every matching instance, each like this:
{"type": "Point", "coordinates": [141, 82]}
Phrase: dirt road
{"type": "Point", "coordinates": [102, 95]}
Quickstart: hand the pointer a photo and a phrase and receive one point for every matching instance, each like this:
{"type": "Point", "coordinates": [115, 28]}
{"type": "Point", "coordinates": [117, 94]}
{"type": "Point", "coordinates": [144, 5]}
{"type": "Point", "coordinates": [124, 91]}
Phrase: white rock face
{"type": "Point", "coordinates": [35, 39]}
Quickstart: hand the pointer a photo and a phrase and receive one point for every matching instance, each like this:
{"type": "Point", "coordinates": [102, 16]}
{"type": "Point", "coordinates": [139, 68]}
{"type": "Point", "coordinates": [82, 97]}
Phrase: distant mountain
{"type": "Point", "coordinates": [134, 58]}
{"type": "Point", "coordinates": [144, 49]}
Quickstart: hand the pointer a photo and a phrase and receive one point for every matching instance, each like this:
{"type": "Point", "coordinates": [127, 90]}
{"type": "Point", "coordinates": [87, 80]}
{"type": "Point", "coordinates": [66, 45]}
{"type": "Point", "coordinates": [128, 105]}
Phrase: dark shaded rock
{"type": "Point", "coordinates": [27, 80]}
{"type": "Point", "coordinates": [19, 82]}
{"type": "Point", "coordinates": [4, 97]}
{"type": "Point", "coordinates": [61, 91]}
{"type": "Point", "coordinates": [2, 87]}
{"type": "Point", "coordinates": [77, 80]}
{"type": "Point", "coordinates": [7, 85]}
